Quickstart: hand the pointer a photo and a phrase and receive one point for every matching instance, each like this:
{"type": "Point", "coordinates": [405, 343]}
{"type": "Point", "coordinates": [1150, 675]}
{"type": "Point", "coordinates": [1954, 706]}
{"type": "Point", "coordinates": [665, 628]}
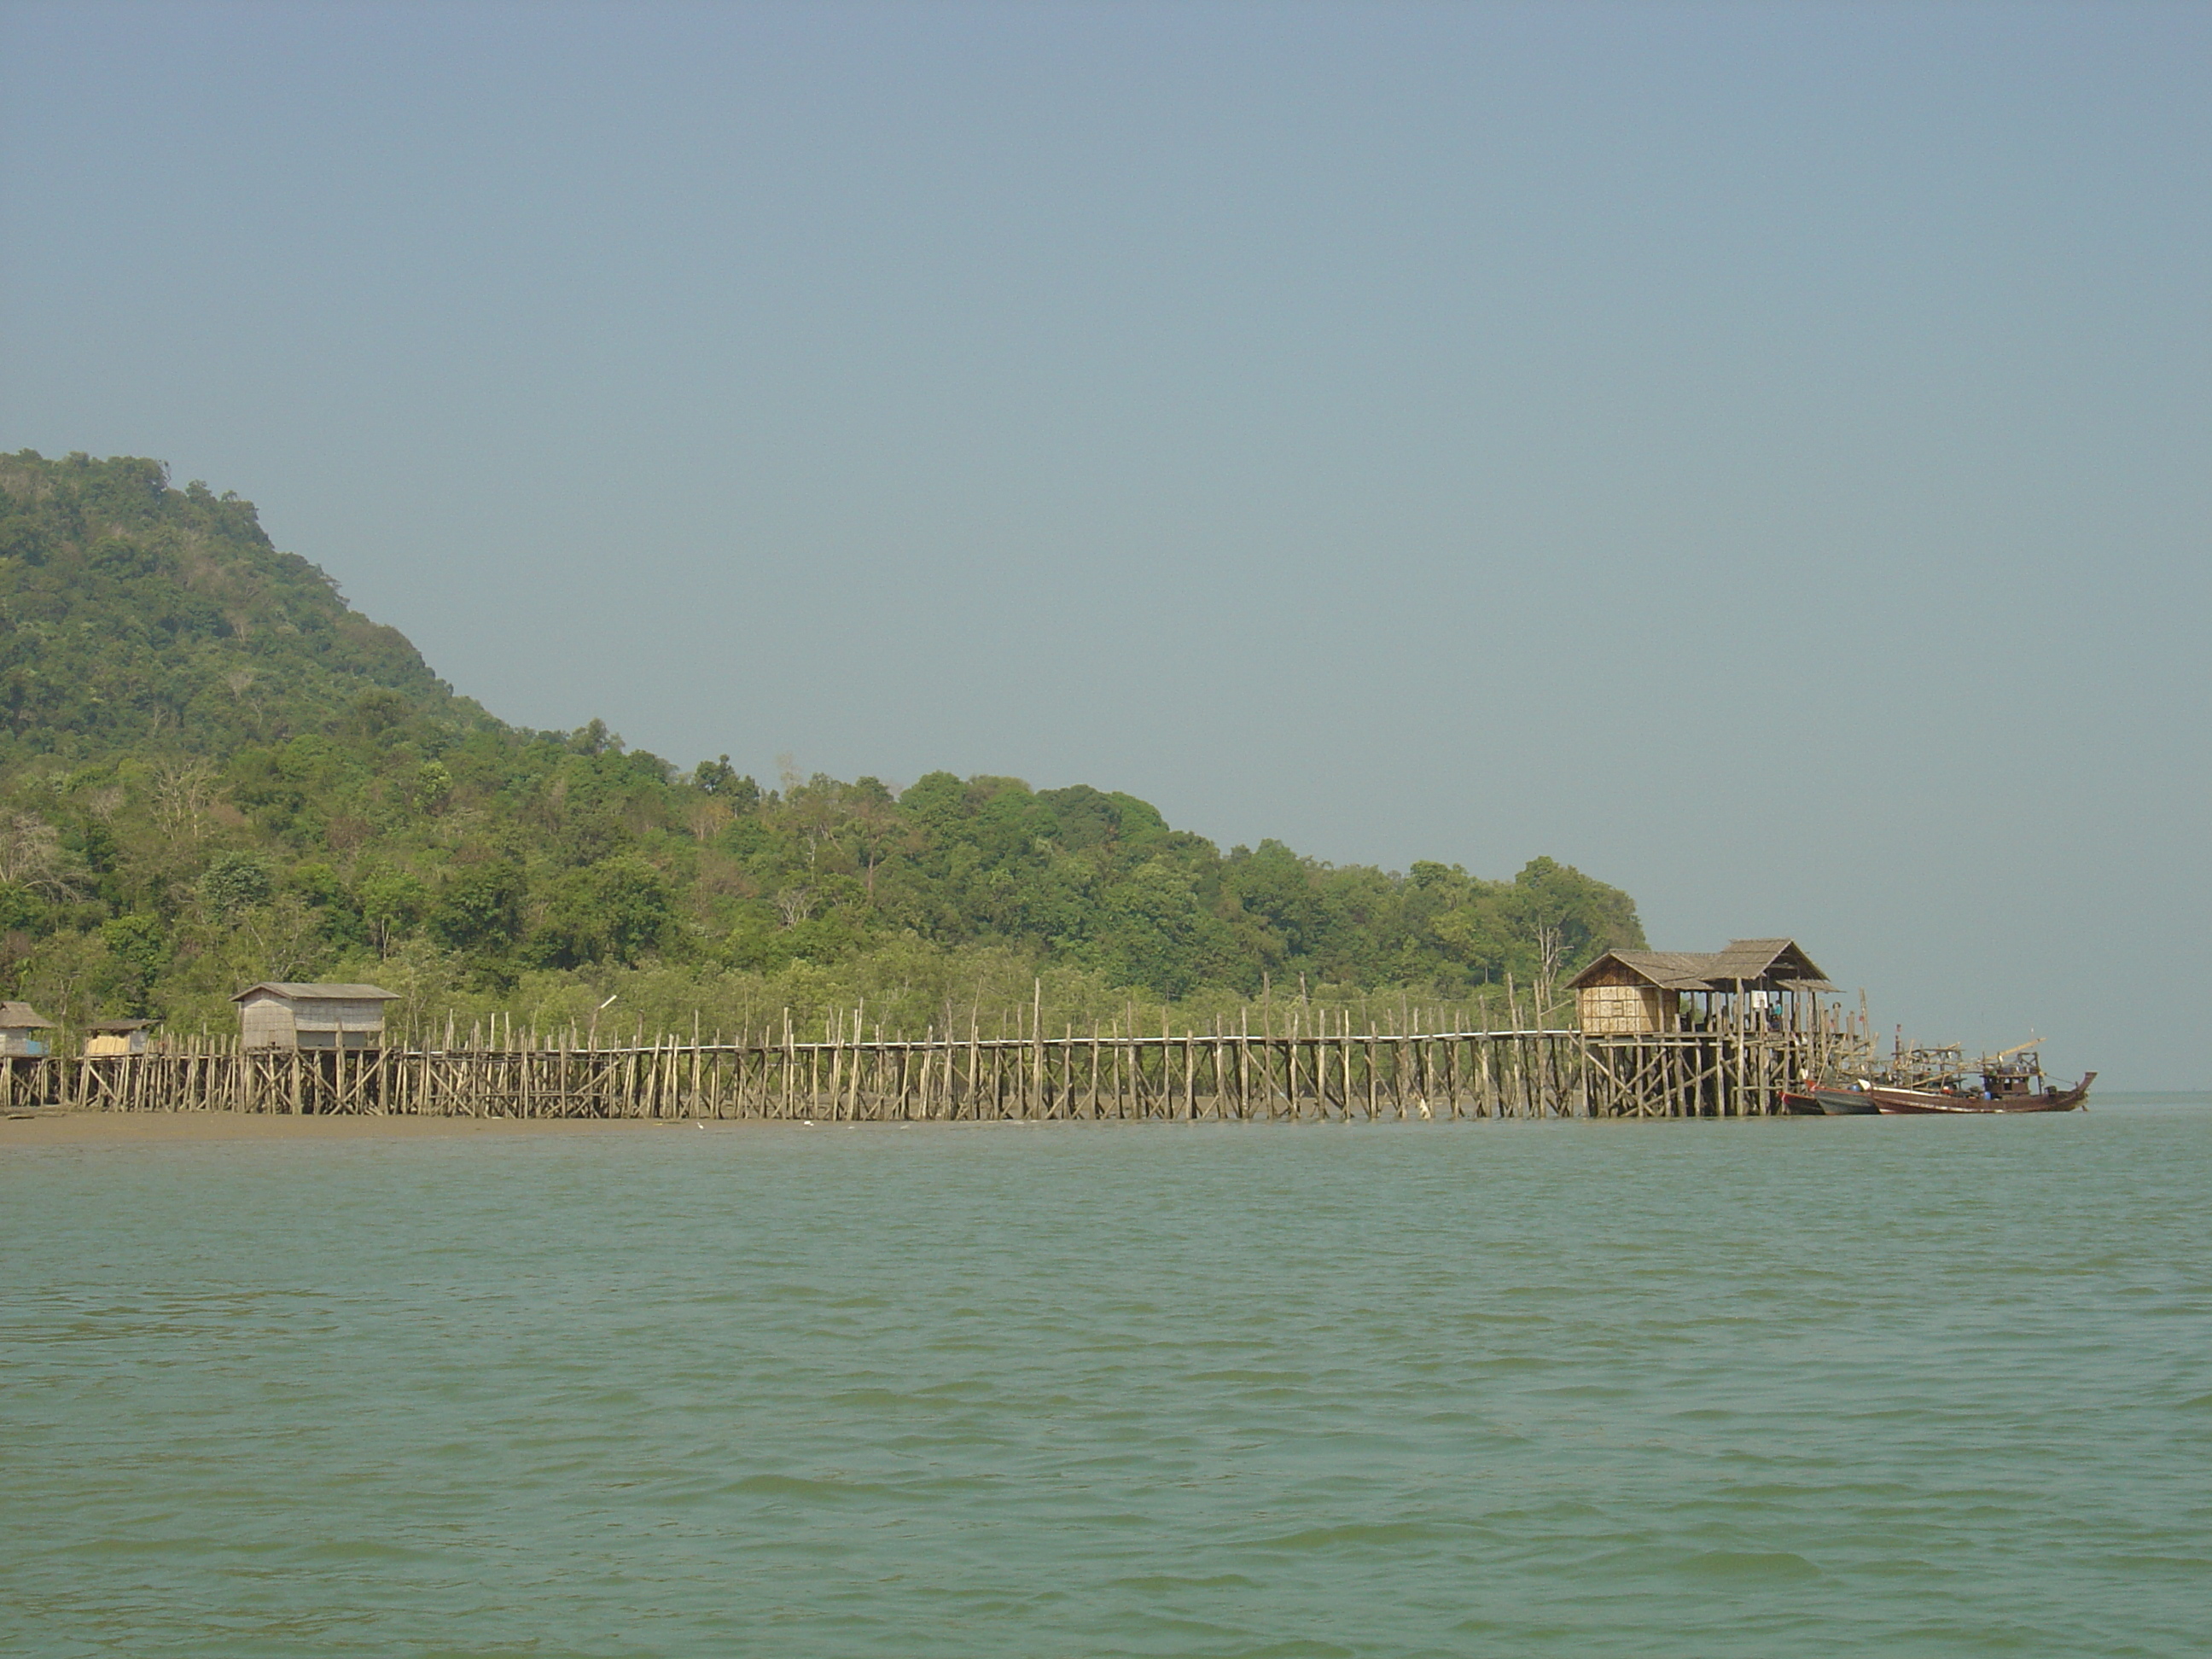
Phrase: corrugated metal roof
{"type": "Point", "coordinates": [294, 991]}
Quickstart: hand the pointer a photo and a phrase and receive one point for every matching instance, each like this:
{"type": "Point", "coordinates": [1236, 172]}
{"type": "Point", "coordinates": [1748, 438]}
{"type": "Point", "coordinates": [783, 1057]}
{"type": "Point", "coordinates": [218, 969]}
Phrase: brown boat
{"type": "Point", "coordinates": [1932, 1083]}
{"type": "Point", "coordinates": [1926, 1102]}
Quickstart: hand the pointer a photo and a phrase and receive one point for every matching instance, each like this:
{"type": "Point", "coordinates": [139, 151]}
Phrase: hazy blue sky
{"type": "Point", "coordinates": [1757, 453]}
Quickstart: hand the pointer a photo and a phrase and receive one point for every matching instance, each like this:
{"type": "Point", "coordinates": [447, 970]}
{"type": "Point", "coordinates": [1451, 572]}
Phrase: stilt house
{"type": "Point", "coordinates": [282, 1014]}
{"type": "Point", "coordinates": [1755, 981]}
{"type": "Point", "coordinates": [20, 1025]}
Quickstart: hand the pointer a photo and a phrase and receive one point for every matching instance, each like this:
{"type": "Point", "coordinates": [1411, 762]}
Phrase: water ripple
{"type": "Point", "coordinates": [1096, 1390]}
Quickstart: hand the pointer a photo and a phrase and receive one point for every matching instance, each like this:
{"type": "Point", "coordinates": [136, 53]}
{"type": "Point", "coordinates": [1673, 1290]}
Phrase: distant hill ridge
{"type": "Point", "coordinates": [135, 613]}
{"type": "Point", "coordinates": [214, 771]}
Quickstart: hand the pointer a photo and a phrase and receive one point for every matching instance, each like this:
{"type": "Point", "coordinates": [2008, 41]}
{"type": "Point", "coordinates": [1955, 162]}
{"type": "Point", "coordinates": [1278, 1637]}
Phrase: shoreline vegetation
{"type": "Point", "coordinates": [214, 772]}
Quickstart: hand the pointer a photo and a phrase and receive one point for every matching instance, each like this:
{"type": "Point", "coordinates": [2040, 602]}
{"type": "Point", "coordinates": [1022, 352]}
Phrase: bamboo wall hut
{"type": "Point", "coordinates": [1754, 981]}
{"type": "Point", "coordinates": [283, 1014]}
{"type": "Point", "coordinates": [115, 1036]}
{"type": "Point", "coordinates": [20, 1026]}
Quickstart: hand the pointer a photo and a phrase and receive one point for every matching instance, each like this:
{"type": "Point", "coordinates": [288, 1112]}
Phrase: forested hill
{"type": "Point", "coordinates": [134, 616]}
{"type": "Point", "coordinates": [214, 771]}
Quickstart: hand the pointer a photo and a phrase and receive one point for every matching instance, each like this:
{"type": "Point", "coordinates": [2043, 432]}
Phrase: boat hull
{"type": "Point", "coordinates": [1845, 1102]}
{"type": "Point", "coordinates": [1929, 1103]}
{"type": "Point", "coordinates": [1827, 1102]}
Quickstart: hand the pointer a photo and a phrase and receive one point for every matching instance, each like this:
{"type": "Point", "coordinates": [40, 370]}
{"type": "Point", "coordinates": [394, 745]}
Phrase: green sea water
{"type": "Point", "coordinates": [1829, 1387]}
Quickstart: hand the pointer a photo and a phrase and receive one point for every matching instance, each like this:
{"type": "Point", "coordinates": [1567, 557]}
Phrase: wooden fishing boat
{"type": "Point", "coordinates": [1931, 1102]}
{"type": "Point", "coordinates": [1932, 1083]}
{"type": "Point", "coordinates": [1826, 1100]}
{"type": "Point", "coordinates": [1843, 1103]}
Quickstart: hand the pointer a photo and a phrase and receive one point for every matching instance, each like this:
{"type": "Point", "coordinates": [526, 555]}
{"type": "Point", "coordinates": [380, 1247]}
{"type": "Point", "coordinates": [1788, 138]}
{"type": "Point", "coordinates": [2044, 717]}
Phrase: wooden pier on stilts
{"type": "Point", "coordinates": [1340, 1075]}
{"type": "Point", "coordinates": [1657, 1034]}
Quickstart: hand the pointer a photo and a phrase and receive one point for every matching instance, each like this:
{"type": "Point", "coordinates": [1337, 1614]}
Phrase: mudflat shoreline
{"type": "Point", "coordinates": [48, 1127]}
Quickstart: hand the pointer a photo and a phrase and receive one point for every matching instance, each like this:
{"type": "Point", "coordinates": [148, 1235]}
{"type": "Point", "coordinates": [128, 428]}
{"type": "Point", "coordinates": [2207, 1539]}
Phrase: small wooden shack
{"type": "Point", "coordinates": [115, 1036]}
{"type": "Point", "coordinates": [20, 1025]}
{"type": "Point", "coordinates": [283, 1014]}
{"type": "Point", "coordinates": [1628, 993]}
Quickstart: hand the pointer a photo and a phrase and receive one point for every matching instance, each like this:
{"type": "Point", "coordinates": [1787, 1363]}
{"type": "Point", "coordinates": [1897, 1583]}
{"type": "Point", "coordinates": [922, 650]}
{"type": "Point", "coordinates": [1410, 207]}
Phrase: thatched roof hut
{"type": "Point", "coordinates": [1624, 992]}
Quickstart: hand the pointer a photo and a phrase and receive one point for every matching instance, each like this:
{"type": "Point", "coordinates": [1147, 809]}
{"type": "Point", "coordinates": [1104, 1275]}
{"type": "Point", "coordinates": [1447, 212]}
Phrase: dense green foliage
{"type": "Point", "coordinates": [133, 616]}
{"type": "Point", "coordinates": [213, 771]}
